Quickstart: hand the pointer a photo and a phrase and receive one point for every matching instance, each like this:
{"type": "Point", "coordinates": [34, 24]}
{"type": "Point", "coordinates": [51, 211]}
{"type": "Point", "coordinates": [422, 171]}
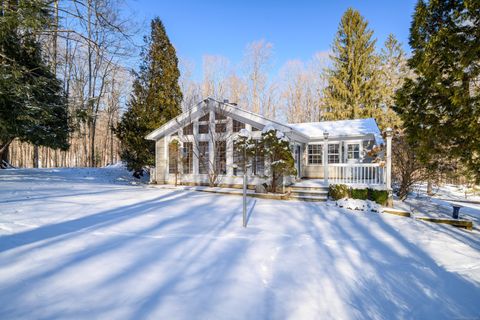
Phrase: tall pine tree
{"type": "Point", "coordinates": [32, 101]}
{"type": "Point", "coordinates": [393, 71]}
{"type": "Point", "coordinates": [156, 99]}
{"type": "Point", "coordinates": [353, 78]}
{"type": "Point", "coordinates": [440, 107]}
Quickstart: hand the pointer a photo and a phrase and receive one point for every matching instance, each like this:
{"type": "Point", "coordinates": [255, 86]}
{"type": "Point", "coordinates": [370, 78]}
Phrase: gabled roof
{"type": "Point", "coordinates": [302, 132]}
{"type": "Point", "coordinates": [340, 128]}
{"type": "Point", "coordinates": [227, 108]}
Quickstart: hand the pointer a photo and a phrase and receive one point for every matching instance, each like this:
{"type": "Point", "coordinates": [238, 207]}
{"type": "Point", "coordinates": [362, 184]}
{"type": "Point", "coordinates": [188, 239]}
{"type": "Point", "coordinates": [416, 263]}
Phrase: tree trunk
{"type": "Point", "coordinates": [36, 158]}
{"type": "Point", "coordinates": [111, 146]}
{"type": "Point", "coordinates": [4, 157]}
{"type": "Point", "coordinates": [429, 187]}
{"type": "Point", "coordinates": [92, 145]}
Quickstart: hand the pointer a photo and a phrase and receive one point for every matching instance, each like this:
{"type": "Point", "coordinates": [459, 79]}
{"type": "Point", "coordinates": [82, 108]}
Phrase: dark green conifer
{"type": "Point", "coordinates": [352, 90]}
{"type": "Point", "coordinates": [440, 106]}
{"type": "Point", "coordinates": [156, 99]}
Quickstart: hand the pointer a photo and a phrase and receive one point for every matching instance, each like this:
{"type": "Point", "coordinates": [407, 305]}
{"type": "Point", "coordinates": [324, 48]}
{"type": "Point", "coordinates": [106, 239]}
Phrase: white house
{"type": "Point", "coordinates": [331, 151]}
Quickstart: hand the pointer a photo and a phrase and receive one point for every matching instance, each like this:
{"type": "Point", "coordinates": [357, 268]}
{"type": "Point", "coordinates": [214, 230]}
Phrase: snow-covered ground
{"type": "Point", "coordinates": [86, 243]}
{"type": "Point", "coordinates": [440, 204]}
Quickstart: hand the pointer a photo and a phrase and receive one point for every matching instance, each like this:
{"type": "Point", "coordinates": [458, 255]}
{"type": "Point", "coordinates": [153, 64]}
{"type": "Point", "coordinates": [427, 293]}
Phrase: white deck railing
{"type": "Point", "coordinates": [357, 173]}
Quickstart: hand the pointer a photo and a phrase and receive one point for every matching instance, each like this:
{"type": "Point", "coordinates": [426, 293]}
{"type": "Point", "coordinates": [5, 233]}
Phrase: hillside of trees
{"type": "Point", "coordinates": [74, 56]}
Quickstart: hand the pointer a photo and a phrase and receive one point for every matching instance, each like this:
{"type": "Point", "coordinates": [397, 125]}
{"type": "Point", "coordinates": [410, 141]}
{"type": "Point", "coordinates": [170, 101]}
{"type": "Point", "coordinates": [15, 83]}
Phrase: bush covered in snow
{"type": "Point", "coordinates": [357, 204]}
{"type": "Point", "coordinates": [341, 191]}
{"type": "Point", "coordinates": [276, 149]}
{"type": "Point", "coordinates": [338, 191]}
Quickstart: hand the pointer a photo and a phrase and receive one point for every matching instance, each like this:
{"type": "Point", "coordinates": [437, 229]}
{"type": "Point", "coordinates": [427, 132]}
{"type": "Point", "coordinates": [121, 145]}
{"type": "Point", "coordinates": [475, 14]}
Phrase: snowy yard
{"type": "Point", "coordinates": [440, 204]}
{"type": "Point", "coordinates": [86, 243]}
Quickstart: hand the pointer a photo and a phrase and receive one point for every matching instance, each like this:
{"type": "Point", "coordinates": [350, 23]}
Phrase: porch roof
{"type": "Point", "coordinates": [340, 128]}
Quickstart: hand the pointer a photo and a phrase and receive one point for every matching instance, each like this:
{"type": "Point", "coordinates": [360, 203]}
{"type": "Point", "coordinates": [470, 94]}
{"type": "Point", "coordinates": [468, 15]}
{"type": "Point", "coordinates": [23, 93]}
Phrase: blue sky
{"type": "Point", "coordinates": [297, 29]}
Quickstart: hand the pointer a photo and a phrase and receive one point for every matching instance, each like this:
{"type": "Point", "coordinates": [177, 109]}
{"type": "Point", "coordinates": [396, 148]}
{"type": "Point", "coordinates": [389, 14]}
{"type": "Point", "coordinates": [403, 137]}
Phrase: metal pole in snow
{"type": "Point", "coordinates": [244, 188]}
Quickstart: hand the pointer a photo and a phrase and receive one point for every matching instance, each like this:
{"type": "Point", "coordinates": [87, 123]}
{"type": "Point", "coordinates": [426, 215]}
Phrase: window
{"type": "Point", "coordinates": [315, 154]}
{"type": "Point", "coordinates": [334, 153]}
{"type": "Point", "coordinates": [258, 161]}
{"type": "Point", "coordinates": [219, 116]}
{"type": "Point", "coordinates": [221, 157]}
{"type": "Point", "coordinates": [173, 156]}
{"type": "Point", "coordinates": [188, 130]}
{"type": "Point", "coordinates": [238, 161]}
{"type": "Point", "coordinates": [220, 123]}
{"type": "Point", "coordinates": [188, 157]}
{"type": "Point", "coordinates": [203, 123]}
{"type": "Point", "coordinates": [203, 128]}
{"type": "Point", "coordinates": [220, 127]}
{"type": "Point", "coordinates": [206, 117]}
{"type": "Point", "coordinates": [203, 157]}
{"type": "Point", "coordinates": [353, 151]}
{"type": "Point", "coordinates": [237, 125]}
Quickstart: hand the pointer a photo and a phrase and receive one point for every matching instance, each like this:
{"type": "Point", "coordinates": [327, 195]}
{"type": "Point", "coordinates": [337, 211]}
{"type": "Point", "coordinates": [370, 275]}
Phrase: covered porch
{"type": "Point", "coordinates": [320, 163]}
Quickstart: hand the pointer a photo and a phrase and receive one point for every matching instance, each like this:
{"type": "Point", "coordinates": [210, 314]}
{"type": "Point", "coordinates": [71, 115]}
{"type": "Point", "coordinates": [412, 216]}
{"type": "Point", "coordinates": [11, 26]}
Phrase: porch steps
{"type": "Point", "coordinates": [309, 193]}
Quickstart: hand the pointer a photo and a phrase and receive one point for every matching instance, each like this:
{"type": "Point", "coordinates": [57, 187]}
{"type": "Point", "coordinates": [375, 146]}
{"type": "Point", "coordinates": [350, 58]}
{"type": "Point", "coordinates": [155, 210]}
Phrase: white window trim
{"type": "Point", "coordinates": [320, 154]}
{"type": "Point", "coordinates": [339, 144]}
{"type": "Point", "coordinates": [360, 143]}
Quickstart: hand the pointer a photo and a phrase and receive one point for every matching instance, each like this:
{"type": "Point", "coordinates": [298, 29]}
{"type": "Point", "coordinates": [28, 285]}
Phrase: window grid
{"type": "Point", "coordinates": [258, 160]}
{"type": "Point", "coordinates": [237, 125]}
{"type": "Point", "coordinates": [220, 127]}
{"type": "Point", "coordinates": [220, 116]}
{"type": "Point", "coordinates": [203, 157]}
{"type": "Point", "coordinates": [206, 117]}
{"type": "Point", "coordinates": [188, 157]}
{"type": "Point", "coordinates": [173, 158]}
{"type": "Point", "coordinates": [315, 154]}
{"type": "Point", "coordinates": [238, 160]}
{"type": "Point", "coordinates": [334, 153]}
{"type": "Point", "coordinates": [221, 157]}
{"type": "Point", "coordinates": [203, 128]}
{"type": "Point", "coordinates": [353, 151]}
{"type": "Point", "coordinates": [188, 130]}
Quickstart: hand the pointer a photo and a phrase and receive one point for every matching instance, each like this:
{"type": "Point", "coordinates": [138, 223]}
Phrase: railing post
{"type": "Point", "coordinates": [389, 134]}
{"type": "Point", "coordinates": [325, 157]}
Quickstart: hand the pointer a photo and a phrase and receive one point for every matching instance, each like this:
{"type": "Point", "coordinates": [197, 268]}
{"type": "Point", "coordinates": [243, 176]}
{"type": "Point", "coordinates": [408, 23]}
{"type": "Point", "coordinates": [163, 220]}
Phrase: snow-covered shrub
{"type": "Point", "coordinates": [361, 194]}
{"type": "Point", "coordinates": [245, 146]}
{"type": "Point", "coordinates": [357, 204]}
{"type": "Point", "coordinates": [338, 191]}
{"type": "Point", "coordinates": [276, 149]}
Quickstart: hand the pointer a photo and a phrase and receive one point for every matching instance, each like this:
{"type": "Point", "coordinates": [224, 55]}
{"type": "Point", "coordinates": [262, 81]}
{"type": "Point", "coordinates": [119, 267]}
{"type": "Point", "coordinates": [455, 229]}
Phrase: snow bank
{"type": "Point", "coordinates": [361, 205]}
{"type": "Point", "coordinates": [119, 165]}
{"type": "Point", "coordinates": [78, 244]}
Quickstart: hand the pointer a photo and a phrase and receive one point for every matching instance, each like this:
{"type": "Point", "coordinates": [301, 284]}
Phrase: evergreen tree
{"type": "Point", "coordinates": [440, 107]}
{"type": "Point", "coordinates": [276, 149]}
{"type": "Point", "coordinates": [353, 79]}
{"type": "Point", "coordinates": [32, 101]}
{"type": "Point", "coordinates": [393, 71]}
{"type": "Point", "coordinates": [245, 145]}
{"type": "Point", "coordinates": [156, 99]}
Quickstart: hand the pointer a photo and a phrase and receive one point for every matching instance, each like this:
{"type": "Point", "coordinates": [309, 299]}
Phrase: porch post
{"type": "Point", "coordinates": [325, 157]}
{"type": "Point", "coordinates": [389, 134]}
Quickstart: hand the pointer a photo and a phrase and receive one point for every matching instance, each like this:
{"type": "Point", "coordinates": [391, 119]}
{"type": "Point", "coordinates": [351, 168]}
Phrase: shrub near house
{"type": "Point", "coordinates": [341, 191]}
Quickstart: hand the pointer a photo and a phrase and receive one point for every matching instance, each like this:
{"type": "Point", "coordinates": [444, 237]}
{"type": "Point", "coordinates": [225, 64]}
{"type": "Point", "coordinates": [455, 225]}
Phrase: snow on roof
{"type": "Point", "coordinates": [340, 128]}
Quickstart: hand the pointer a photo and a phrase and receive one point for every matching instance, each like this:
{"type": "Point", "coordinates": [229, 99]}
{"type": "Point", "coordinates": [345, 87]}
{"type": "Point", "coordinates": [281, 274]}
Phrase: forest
{"type": "Point", "coordinates": [70, 96]}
